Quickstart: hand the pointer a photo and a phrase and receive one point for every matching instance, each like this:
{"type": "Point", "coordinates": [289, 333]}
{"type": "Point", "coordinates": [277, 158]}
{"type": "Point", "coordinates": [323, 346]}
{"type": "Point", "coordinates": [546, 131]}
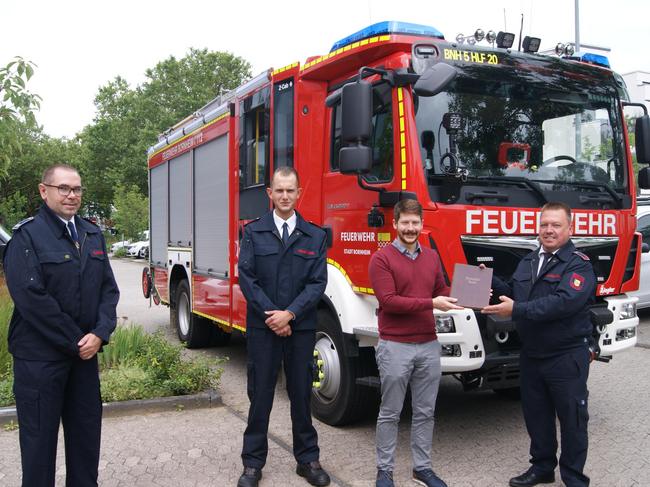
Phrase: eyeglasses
{"type": "Point", "coordinates": [64, 189]}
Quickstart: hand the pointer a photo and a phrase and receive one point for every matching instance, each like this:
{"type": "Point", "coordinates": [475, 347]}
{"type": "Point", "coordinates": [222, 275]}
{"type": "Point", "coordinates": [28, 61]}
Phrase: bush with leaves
{"type": "Point", "coordinates": [136, 365]}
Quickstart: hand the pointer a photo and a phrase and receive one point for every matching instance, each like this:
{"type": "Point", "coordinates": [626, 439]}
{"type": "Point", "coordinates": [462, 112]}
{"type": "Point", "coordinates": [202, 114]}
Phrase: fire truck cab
{"type": "Point", "coordinates": [482, 136]}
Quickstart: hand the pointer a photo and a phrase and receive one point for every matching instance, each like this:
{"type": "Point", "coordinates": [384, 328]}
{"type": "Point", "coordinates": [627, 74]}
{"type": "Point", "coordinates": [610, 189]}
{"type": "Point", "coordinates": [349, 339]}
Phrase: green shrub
{"type": "Point", "coordinates": [141, 366]}
{"type": "Point", "coordinates": [124, 382]}
{"type": "Point", "coordinates": [6, 308]}
{"type": "Point", "coordinates": [134, 365]}
{"type": "Point", "coordinates": [121, 252]}
{"type": "Point", "coordinates": [125, 345]}
{"type": "Point", "coordinates": [6, 391]}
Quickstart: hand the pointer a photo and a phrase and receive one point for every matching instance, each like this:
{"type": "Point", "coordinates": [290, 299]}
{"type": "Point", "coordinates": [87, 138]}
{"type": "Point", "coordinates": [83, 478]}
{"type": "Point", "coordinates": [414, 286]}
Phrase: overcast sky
{"type": "Point", "coordinates": [81, 45]}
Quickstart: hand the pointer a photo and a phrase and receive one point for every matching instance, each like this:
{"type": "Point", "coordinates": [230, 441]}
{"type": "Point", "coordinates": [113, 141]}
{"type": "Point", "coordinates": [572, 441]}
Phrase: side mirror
{"type": "Point", "coordinates": [356, 128]}
{"type": "Point", "coordinates": [644, 178]}
{"type": "Point", "coordinates": [435, 79]}
{"type": "Point", "coordinates": [356, 112]}
{"type": "Point", "coordinates": [642, 138]}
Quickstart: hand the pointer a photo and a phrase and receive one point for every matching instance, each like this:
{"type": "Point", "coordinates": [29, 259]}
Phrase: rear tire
{"type": "Point", "coordinates": [192, 329]}
{"type": "Point", "coordinates": [340, 400]}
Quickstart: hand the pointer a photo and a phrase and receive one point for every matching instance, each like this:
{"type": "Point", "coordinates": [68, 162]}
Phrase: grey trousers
{"type": "Point", "coordinates": [401, 365]}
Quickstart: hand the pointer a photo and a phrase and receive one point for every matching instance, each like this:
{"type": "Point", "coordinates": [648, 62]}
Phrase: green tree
{"type": "Point", "coordinates": [19, 195]}
{"type": "Point", "coordinates": [131, 215]}
{"type": "Point", "coordinates": [17, 106]}
{"type": "Point", "coordinates": [129, 120]}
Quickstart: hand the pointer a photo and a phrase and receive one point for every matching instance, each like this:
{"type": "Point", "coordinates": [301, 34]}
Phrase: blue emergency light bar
{"type": "Point", "coordinates": [388, 27]}
{"type": "Point", "coordinates": [597, 59]}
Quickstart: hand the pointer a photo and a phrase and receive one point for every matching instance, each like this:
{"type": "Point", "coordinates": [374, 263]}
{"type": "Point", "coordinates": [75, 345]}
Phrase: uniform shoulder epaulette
{"type": "Point", "coordinates": [581, 255]}
{"type": "Point", "coordinates": [315, 224]}
{"type": "Point", "coordinates": [252, 221]}
{"type": "Point", "coordinates": [89, 221]}
{"type": "Point", "coordinates": [22, 222]}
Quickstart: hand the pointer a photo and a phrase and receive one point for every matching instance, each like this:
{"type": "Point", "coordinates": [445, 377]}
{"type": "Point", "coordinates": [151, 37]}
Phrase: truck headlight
{"type": "Point", "coordinates": [625, 334]}
{"type": "Point", "coordinates": [628, 310]}
{"type": "Point", "coordinates": [445, 324]}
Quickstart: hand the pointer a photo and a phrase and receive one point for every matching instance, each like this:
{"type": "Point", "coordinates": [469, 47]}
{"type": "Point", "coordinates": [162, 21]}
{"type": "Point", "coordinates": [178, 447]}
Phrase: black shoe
{"type": "Point", "coordinates": [384, 479]}
{"type": "Point", "coordinates": [250, 477]}
{"type": "Point", "coordinates": [428, 478]}
{"type": "Point", "coordinates": [314, 473]}
{"type": "Point", "coordinates": [529, 478]}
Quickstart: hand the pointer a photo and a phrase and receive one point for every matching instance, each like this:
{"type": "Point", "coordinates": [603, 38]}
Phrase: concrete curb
{"type": "Point", "coordinates": [207, 399]}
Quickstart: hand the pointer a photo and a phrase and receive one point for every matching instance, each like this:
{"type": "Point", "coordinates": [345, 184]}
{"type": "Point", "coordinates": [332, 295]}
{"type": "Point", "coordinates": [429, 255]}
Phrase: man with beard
{"type": "Point", "coordinates": [548, 297]}
{"type": "Point", "coordinates": [408, 283]}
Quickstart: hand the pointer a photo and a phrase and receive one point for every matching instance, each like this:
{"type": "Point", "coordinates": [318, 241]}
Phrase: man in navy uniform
{"type": "Point", "coordinates": [282, 274]}
{"type": "Point", "coordinates": [65, 298]}
{"type": "Point", "coordinates": [551, 291]}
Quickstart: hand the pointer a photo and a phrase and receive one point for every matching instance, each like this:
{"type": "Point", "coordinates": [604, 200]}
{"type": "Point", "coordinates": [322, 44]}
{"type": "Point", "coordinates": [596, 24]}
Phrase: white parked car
{"type": "Point", "coordinates": [643, 226]}
{"type": "Point", "coordinates": [119, 245]}
{"type": "Point", "coordinates": [137, 249]}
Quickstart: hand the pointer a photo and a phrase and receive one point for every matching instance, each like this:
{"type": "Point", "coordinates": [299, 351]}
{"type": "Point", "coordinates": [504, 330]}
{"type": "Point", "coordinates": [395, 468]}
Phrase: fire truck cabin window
{"type": "Point", "coordinates": [253, 158]}
{"type": "Point", "coordinates": [381, 140]}
{"type": "Point", "coordinates": [283, 123]}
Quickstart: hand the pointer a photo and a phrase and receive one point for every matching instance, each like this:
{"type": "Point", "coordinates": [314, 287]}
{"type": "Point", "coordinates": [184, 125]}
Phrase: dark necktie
{"type": "Point", "coordinates": [285, 234]}
{"type": "Point", "coordinates": [546, 256]}
{"type": "Point", "coordinates": [73, 232]}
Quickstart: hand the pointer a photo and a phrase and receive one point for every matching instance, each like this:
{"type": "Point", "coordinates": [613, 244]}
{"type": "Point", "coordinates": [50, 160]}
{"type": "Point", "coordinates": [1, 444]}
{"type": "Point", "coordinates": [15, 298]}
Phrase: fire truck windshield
{"type": "Point", "coordinates": [525, 133]}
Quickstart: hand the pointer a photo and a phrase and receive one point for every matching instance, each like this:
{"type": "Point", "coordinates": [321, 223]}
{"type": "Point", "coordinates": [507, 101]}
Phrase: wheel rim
{"type": "Point", "coordinates": [329, 366]}
{"type": "Point", "coordinates": [146, 283]}
{"type": "Point", "coordinates": [184, 314]}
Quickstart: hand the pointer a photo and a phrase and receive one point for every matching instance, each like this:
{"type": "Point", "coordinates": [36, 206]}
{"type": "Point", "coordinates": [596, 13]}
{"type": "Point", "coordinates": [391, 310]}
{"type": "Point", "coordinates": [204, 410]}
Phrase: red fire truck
{"type": "Point", "coordinates": [481, 135]}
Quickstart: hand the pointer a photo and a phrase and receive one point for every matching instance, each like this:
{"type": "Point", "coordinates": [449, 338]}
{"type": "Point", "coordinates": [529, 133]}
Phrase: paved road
{"type": "Point", "coordinates": [480, 440]}
{"type": "Point", "coordinates": [133, 307]}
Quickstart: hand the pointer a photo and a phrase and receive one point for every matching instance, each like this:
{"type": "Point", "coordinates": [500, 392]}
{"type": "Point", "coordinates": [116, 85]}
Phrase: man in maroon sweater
{"type": "Point", "coordinates": [408, 282]}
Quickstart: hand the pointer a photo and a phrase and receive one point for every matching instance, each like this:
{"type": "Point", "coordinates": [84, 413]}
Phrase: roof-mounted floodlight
{"type": "Point", "coordinates": [562, 49]}
{"type": "Point", "coordinates": [531, 44]}
{"type": "Point", "coordinates": [505, 39]}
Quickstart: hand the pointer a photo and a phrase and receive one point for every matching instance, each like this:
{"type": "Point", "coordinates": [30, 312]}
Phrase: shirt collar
{"type": "Point", "coordinates": [291, 222]}
{"type": "Point", "coordinates": [66, 221]}
{"type": "Point", "coordinates": [403, 250]}
{"type": "Point", "coordinates": [542, 251]}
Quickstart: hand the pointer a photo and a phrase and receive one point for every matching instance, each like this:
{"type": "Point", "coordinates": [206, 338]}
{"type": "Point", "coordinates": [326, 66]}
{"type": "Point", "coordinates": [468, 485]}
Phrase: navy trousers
{"type": "Point", "coordinates": [266, 351]}
{"type": "Point", "coordinates": [48, 393]}
{"type": "Point", "coordinates": [551, 387]}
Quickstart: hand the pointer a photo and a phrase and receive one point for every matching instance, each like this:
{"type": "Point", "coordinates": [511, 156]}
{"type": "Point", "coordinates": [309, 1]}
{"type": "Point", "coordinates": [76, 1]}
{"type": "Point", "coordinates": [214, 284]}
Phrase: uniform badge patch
{"type": "Point", "coordinates": [577, 281]}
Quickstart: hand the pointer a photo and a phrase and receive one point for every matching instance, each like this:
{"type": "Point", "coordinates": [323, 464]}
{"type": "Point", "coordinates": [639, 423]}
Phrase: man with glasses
{"type": "Point", "coordinates": [65, 299]}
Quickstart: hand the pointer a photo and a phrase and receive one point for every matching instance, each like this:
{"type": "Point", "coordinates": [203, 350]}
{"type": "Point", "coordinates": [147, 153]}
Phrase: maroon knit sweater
{"type": "Point", "coordinates": [405, 289]}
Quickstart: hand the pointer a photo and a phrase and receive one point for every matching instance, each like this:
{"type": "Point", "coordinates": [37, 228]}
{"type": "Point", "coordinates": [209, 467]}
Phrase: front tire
{"type": "Point", "coordinates": [193, 330]}
{"type": "Point", "coordinates": [339, 400]}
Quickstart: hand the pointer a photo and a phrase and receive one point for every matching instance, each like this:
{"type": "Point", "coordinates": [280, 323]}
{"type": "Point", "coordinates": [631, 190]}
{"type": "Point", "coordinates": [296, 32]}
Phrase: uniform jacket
{"type": "Point", "coordinates": [273, 277]}
{"type": "Point", "coordinates": [551, 311]}
{"type": "Point", "coordinates": [59, 293]}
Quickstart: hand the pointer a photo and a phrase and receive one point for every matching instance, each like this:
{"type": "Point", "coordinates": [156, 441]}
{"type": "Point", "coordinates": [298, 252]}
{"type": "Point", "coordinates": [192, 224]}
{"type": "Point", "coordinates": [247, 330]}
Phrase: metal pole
{"type": "Point", "coordinates": [578, 120]}
{"type": "Point", "coordinates": [577, 21]}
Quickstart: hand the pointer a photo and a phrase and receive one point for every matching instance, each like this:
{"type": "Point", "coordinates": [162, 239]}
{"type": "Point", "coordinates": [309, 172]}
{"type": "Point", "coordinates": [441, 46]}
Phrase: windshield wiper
{"type": "Point", "coordinates": [611, 194]}
{"type": "Point", "coordinates": [534, 187]}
